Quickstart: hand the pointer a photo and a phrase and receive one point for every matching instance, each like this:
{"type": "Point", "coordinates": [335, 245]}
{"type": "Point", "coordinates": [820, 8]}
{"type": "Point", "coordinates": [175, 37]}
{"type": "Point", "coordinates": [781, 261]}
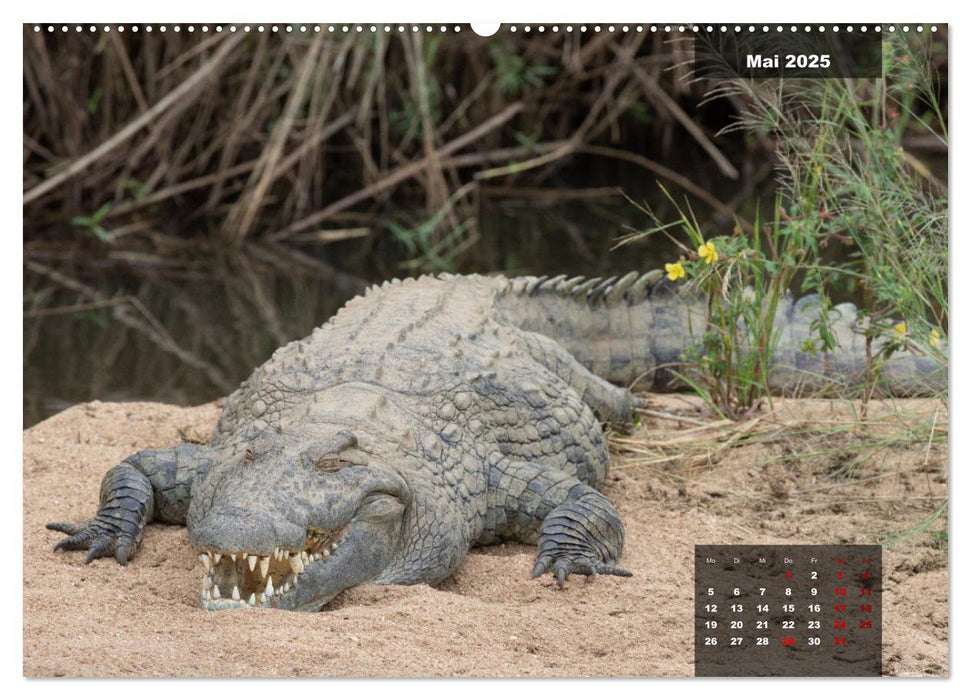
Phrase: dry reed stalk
{"type": "Point", "coordinates": [265, 308]}
{"type": "Point", "coordinates": [652, 89]}
{"type": "Point", "coordinates": [669, 174]}
{"type": "Point", "coordinates": [285, 259]}
{"type": "Point", "coordinates": [216, 62]}
{"type": "Point", "coordinates": [204, 162]}
{"type": "Point", "coordinates": [242, 114]}
{"type": "Point", "coordinates": [590, 121]}
{"type": "Point", "coordinates": [553, 193]}
{"type": "Point", "coordinates": [331, 235]}
{"type": "Point", "coordinates": [399, 175]}
{"type": "Point", "coordinates": [436, 189]}
{"type": "Point", "coordinates": [241, 217]}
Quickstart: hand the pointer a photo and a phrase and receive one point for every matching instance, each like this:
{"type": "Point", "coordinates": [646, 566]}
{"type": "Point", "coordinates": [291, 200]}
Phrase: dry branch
{"type": "Point", "coordinates": [242, 215]}
{"type": "Point", "coordinates": [652, 88]}
{"type": "Point", "coordinates": [216, 62]}
{"type": "Point", "coordinates": [401, 174]}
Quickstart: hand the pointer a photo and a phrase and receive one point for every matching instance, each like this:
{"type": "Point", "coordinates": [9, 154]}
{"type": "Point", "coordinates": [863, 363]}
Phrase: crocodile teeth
{"type": "Point", "coordinates": [305, 558]}
{"type": "Point", "coordinates": [296, 563]}
{"type": "Point", "coordinates": [204, 558]}
{"type": "Point", "coordinates": [264, 565]}
{"type": "Point", "coordinates": [269, 586]}
{"type": "Point", "coordinates": [252, 562]}
{"type": "Point", "coordinates": [216, 557]}
{"type": "Point", "coordinates": [252, 598]}
{"type": "Point", "coordinates": [215, 591]}
{"type": "Point", "coordinates": [233, 557]}
{"type": "Point", "coordinates": [235, 592]}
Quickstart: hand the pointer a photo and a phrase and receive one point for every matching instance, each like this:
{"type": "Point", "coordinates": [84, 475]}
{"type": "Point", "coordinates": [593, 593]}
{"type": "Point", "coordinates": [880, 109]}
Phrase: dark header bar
{"type": "Point", "coordinates": [761, 51]}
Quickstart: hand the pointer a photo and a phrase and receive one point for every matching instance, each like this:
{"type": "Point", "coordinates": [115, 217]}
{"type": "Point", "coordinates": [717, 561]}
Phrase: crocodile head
{"type": "Point", "coordinates": [289, 524]}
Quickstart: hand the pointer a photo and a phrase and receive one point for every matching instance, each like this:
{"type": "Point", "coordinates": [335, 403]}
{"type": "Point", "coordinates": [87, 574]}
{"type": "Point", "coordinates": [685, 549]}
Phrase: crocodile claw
{"type": "Point", "coordinates": [563, 566]}
{"type": "Point", "coordinates": [126, 504]}
{"type": "Point", "coordinates": [101, 539]}
{"type": "Point", "coordinates": [582, 536]}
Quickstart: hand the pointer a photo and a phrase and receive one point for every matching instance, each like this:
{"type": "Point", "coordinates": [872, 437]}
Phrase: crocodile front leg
{"type": "Point", "coordinates": [576, 528]}
{"type": "Point", "coordinates": [611, 404]}
{"type": "Point", "coordinates": [152, 485]}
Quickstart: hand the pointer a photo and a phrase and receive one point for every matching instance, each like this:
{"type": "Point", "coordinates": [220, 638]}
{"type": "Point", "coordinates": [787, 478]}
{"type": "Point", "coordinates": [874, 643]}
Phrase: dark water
{"type": "Point", "coordinates": [191, 337]}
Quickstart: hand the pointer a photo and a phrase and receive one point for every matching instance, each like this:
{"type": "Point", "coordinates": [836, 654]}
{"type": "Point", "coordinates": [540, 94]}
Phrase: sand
{"type": "Point", "coordinates": [489, 618]}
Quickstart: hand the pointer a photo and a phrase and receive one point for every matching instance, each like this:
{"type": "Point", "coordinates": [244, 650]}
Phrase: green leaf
{"type": "Point", "coordinates": [100, 233]}
{"type": "Point", "coordinates": [92, 104]}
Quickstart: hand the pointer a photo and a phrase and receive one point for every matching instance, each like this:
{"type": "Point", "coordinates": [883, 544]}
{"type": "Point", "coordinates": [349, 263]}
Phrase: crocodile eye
{"type": "Point", "coordinates": [326, 463]}
{"type": "Point", "coordinates": [329, 464]}
{"type": "Point", "coordinates": [249, 456]}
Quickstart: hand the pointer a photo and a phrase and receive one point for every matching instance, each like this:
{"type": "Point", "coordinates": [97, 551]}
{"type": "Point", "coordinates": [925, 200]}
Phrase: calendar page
{"type": "Point", "coordinates": [367, 341]}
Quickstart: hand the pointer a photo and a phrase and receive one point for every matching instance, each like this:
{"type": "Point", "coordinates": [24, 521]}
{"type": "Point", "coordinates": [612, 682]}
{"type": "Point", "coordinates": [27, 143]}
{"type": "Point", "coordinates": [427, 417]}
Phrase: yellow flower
{"type": "Point", "coordinates": [708, 252]}
{"type": "Point", "coordinates": [901, 329]}
{"type": "Point", "coordinates": [935, 339]}
{"type": "Point", "coordinates": [675, 270]}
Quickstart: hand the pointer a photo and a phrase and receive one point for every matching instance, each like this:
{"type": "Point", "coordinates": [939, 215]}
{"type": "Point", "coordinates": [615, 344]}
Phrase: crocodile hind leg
{"type": "Point", "coordinates": [152, 485]}
{"type": "Point", "coordinates": [576, 528]}
{"type": "Point", "coordinates": [612, 404]}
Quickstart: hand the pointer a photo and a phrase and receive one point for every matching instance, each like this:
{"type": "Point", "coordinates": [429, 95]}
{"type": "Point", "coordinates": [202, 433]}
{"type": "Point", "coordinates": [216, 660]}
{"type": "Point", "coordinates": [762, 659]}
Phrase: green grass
{"type": "Point", "coordinates": [850, 182]}
{"type": "Point", "coordinates": [743, 278]}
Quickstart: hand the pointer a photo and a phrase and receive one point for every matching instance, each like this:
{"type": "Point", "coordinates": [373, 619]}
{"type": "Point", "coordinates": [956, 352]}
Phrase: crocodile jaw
{"type": "Point", "coordinates": [264, 579]}
{"type": "Point", "coordinates": [290, 529]}
{"type": "Point", "coordinates": [306, 577]}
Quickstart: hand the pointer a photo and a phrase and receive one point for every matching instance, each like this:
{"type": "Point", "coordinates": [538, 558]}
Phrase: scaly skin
{"type": "Point", "coordinates": [426, 417]}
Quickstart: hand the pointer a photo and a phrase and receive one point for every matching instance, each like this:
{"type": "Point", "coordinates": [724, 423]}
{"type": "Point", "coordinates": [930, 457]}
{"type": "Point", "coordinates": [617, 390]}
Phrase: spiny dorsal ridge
{"type": "Point", "coordinates": [640, 290]}
{"type": "Point", "coordinates": [534, 284]}
{"type": "Point", "coordinates": [619, 289]}
{"type": "Point", "coordinates": [664, 288]}
{"type": "Point", "coordinates": [519, 284]}
{"type": "Point", "coordinates": [597, 293]}
{"type": "Point", "coordinates": [551, 284]}
{"type": "Point", "coordinates": [581, 290]}
{"type": "Point", "coordinates": [565, 288]}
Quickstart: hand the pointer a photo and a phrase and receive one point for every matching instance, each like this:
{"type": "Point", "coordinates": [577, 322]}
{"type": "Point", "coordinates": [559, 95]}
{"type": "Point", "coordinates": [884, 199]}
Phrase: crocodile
{"type": "Point", "coordinates": [428, 416]}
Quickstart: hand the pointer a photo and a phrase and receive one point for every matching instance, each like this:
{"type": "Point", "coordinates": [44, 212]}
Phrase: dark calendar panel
{"type": "Point", "coordinates": [788, 610]}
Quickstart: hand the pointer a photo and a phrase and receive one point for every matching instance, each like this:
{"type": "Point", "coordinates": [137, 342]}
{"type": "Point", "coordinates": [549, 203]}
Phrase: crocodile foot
{"type": "Point", "coordinates": [126, 503]}
{"type": "Point", "coordinates": [583, 536]}
{"type": "Point", "coordinates": [99, 537]}
{"type": "Point", "coordinates": [563, 565]}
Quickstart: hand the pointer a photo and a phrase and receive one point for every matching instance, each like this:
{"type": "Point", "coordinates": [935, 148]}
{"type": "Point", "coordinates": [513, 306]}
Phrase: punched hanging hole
{"type": "Point", "coordinates": [485, 28]}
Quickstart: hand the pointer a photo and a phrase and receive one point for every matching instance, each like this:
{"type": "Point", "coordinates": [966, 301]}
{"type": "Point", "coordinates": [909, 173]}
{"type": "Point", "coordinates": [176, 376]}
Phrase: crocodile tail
{"type": "Point", "coordinates": [630, 330]}
{"type": "Point", "coordinates": [633, 330]}
{"type": "Point", "coordinates": [796, 369]}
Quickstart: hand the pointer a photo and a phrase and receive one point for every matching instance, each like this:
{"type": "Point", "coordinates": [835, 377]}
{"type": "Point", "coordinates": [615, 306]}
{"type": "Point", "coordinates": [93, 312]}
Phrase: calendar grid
{"type": "Point", "coordinates": [788, 610]}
